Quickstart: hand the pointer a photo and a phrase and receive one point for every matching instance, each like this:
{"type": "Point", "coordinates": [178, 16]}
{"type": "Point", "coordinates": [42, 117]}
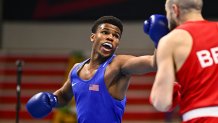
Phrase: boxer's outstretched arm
{"type": "Point", "coordinates": [156, 27]}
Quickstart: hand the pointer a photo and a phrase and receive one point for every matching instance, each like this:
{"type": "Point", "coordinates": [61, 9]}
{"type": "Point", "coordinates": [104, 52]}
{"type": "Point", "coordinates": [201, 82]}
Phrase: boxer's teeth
{"type": "Point", "coordinates": [109, 45]}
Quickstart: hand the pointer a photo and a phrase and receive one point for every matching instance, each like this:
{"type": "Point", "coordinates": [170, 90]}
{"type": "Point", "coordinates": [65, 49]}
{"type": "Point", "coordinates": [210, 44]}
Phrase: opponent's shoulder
{"type": "Point", "coordinates": [176, 37]}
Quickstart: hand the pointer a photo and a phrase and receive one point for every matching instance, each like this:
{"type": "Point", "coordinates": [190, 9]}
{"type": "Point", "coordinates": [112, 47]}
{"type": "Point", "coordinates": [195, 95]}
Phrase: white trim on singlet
{"type": "Point", "coordinates": [201, 112]}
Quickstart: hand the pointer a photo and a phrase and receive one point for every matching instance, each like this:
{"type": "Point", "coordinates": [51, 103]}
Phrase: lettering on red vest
{"type": "Point", "coordinates": [208, 57]}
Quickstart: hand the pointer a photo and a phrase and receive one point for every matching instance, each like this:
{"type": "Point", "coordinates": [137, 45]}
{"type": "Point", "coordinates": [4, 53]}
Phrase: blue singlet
{"type": "Point", "coordinates": [94, 104]}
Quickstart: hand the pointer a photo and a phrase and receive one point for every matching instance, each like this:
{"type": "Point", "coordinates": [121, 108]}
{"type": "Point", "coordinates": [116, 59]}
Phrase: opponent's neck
{"type": "Point", "coordinates": [192, 16]}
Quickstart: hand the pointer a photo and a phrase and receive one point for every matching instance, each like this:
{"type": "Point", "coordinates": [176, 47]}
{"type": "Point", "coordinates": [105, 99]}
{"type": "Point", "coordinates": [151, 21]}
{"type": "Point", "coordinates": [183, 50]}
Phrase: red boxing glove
{"type": "Point", "coordinates": [176, 95]}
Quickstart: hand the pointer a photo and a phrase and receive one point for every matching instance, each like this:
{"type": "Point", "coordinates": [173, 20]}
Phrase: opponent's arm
{"type": "Point", "coordinates": [176, 96]}
{"type": "Point", "coordinates": [165, 76]}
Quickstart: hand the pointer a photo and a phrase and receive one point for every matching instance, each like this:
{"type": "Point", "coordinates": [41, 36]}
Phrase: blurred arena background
{"type": "Point", "coordinates": [51, 35]}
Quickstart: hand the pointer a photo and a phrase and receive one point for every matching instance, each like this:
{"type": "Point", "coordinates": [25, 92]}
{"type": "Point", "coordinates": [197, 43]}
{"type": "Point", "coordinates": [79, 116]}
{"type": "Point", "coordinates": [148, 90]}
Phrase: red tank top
{"type": "Point", "coordinates": [199, 74]}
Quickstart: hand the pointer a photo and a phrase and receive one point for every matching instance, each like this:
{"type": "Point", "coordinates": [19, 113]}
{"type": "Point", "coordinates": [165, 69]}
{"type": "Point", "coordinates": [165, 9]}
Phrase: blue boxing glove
{"type": "Point", "coordinates": [156, 27]}
{"type": "Point", "coordinates": [41, 104]}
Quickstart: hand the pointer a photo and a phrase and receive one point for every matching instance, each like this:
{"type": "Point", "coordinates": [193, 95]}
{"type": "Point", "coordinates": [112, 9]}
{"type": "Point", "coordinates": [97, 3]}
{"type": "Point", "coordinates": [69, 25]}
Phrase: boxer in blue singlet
{"type": "Point", "coordinates": [99, 84]}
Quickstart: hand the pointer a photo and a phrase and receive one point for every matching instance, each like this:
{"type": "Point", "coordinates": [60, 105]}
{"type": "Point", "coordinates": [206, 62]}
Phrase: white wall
{"type": "Point", "coordinates": [64, 38]}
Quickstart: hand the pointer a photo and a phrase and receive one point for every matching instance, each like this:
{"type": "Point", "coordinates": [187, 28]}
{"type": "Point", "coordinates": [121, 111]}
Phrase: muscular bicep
{"type": "Point", "coordinates": [65, 93]}
{"type": "Point", "coordinates": [139, 65]}
{"type": "Point", "coordinates": [165, 76]}
{"type": "Point", "coordinates": [165, 63]}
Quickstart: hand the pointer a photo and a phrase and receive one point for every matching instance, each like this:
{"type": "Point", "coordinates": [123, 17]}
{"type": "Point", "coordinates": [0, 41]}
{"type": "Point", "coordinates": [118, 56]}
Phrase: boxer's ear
{"type": "Point", "coordinates": [176, 10]}
{"type": "Point", "coordinates": [92, 37]}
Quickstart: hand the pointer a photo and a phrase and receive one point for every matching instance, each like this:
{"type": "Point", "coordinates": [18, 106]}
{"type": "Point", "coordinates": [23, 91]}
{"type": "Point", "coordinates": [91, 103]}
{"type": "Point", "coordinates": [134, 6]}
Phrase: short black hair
{"type": "Point", "coordinates": [107, 19]}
